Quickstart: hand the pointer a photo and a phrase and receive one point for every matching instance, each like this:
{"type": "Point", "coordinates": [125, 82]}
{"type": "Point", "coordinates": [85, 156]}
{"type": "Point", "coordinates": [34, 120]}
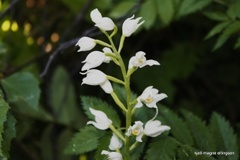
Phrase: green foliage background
{"type": "Point", "coordinates": [44, 108]}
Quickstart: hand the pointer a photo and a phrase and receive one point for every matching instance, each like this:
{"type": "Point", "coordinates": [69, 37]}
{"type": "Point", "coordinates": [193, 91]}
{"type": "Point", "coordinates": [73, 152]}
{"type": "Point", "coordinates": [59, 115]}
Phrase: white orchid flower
{"type": "Point", "coordinates": [104, 23]}
{"type": "Point", "coordinates": [137, 130]}
{"type": "Point", "coordinates": [101, 122]}
{"type": "Point", "coordinates": [96, 77]}
{"type": "Point", "coordinates": [86, 44]}
{"type": "Point", "coordinates": [112, 155]}
{"type": "Point", "coordinates": [94, 59]}
{"type": "Point", "coordinates": [154, 128]}
{"type": "Point", "coordinates": [139, 60]}
{"type": "Point", "coordinates": [130, 25]}
{"type": "Point", "coordinates": [150, 97]}
{"type": "Point", "coordinates": [115, 143]}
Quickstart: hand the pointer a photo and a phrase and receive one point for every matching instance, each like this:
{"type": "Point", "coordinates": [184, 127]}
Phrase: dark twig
{"type": "Point", "coordinates": [9, 8]}
{"type": "Point", "coordinates": [78, 19]}
{"type": "Point", "coordinates": [64, 46]}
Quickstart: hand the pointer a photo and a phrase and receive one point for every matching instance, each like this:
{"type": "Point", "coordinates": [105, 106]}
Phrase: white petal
{"type": "Point", "coordinates": [86, 44]}
{"type": "Point", "coordinates": [131, 62]}
{"type": "Point", "coordinates": [115, 143]}
{"type": "Point", "coordinates": [98, 125]}
{"type": "Point", "coordinates": [107, 86]}
{"type": "Point", "coordinates": [150, 63]}
{"type": "Point", "coordinates": [106, 24]}
{"type": "Point", "coordinates": [139, 104]}
{"type": "Point", "coordinates": [95, 15]}
{"type": "Point", "coordinates": [159, 97]}
{"type": "Point", "coordinates": [130, 25]}
{"type": "Point", "coordinates": [112, 155]}
{"type": "Point", "coordinates": [102, 121]}
{"type": "Point", "coordinates": [94, 77]}
{"type": "Point", "coordinates": [154, 128]}
{"type": "Point", "coordinates": [94, 59]}
{"type": "Point", "coordinates": [139, 137]}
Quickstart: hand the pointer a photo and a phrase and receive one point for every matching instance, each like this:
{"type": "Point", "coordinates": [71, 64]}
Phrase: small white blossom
{"type": "Point", "coordinates": [115, 143]}
{"type": "Point", "coordinates": [94, 59]}
{"type": "Point", "coordinates": [137, 130]}
{"type": "Point", "coordinates": [112, 155]}
{"type": "Point", "coordinates": [101, 122]}
{"type": "Point", "coordinates": [96, 77]}
{"type": "Point", "coordinates": [154, 128]}
{"type": "Point", "coordinates": [139, 60]}
{"type": "Point", "coordinates": [104, 23]}
{"type": "Point", "coordinates": [86, 44]}
{"type": "Point", "coordinates": [150, 97]}
{"type": "Point", "coordinates": [130, 25]}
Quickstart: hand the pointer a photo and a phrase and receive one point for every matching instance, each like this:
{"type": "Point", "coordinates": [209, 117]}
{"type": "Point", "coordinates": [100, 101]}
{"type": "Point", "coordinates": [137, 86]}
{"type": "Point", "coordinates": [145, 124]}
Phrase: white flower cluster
{"type": "Point", "coordinates": [149, 97]}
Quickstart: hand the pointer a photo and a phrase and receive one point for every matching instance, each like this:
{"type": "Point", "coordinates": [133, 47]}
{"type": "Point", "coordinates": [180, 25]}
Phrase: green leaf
{"type": "Point", "coordinates": [217, 16]}
{"type": "Point", "coordinates": [237, 44]}
{"type": "Point", "coordinates": [190, 6]}
{"type": "Point", "coordinates": [165, 10]}
{"type": "Point", "coordinates": [9, 134]}
{"type": "Point", "coordinates": [121, 9]}
{"type": "Point", "coordinates": [161, 148]}
{"type": "Point", "coordinates": [63, 99]}
{"type": "Point", "coordinates": [149, 13]}
{"type": "Point", "coordinates": [202, 136]}
{"type": "Point", "coordinates": [179, 128]}
{"type": "Point", "coordinates": [224, 136]}
{"type": "Point", "coordinates": [229, 31]}
{"type": "Point", "coordinates": [103, 145]}
{"type": "Point", "coordinates": [136, 154]}
{"type": "Point", "coordinates": [217, 29]}
{"type": "Point", "coordinates": [234, 10]}
{"type": "Point", "coordinates": [4, 107]}
{"type": "Point", "coordinates": [98, 104]}
{"type": "Point", "coordinates": [84, 141]}
{"type": "Point", "coordinates": [22, 87]}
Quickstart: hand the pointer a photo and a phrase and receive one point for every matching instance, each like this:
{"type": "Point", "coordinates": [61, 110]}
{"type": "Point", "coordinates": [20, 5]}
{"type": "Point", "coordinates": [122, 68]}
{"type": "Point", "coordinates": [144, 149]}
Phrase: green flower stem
{"type": "Point", "coordinates": [115, 131]}
{"type": "Point", "coordinates": [121, 43]}
{"type": "Point", "coordinates": [134, 110]}
{"type": "Point", "coordinates": [127, 89]}
{"type": "Point", "coordinates": [103, 43]}
{"type": "Point", "coordinates": [134, 146]}
{"type": "Point", "coordinates": [118, 102]}
{"type": "Point", "coordinates": [115, 79]}
{"type": "Point", "coordinates": [130, 71]}
{"type": "Point", "coordinates": [114, 31]}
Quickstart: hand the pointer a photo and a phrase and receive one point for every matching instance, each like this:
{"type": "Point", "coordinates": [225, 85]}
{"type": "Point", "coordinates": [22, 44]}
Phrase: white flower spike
{"type": "Point", "coordinates": [102, 122]}
{"type": "Point", "coordinates": [130, 25]}
{"type": "Point", "coordinates": [150, 97]}
{"type": "Point", "coordinates": [96, 77]}
{"type": "Point", "coordinates": [154, 128]}
{"type": "Point", "coordinates": [112, 155]}
{"type": "Point", "coordinates": [139, 60]}
{"type": "Point", "coordinates": [137, 130]}
{"type": "Point", "coordinates": [86, 44]}
{"type": "Point", "coordinates": [115, 143]}
{"type": "Point", "coordinates": [103, 23]}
